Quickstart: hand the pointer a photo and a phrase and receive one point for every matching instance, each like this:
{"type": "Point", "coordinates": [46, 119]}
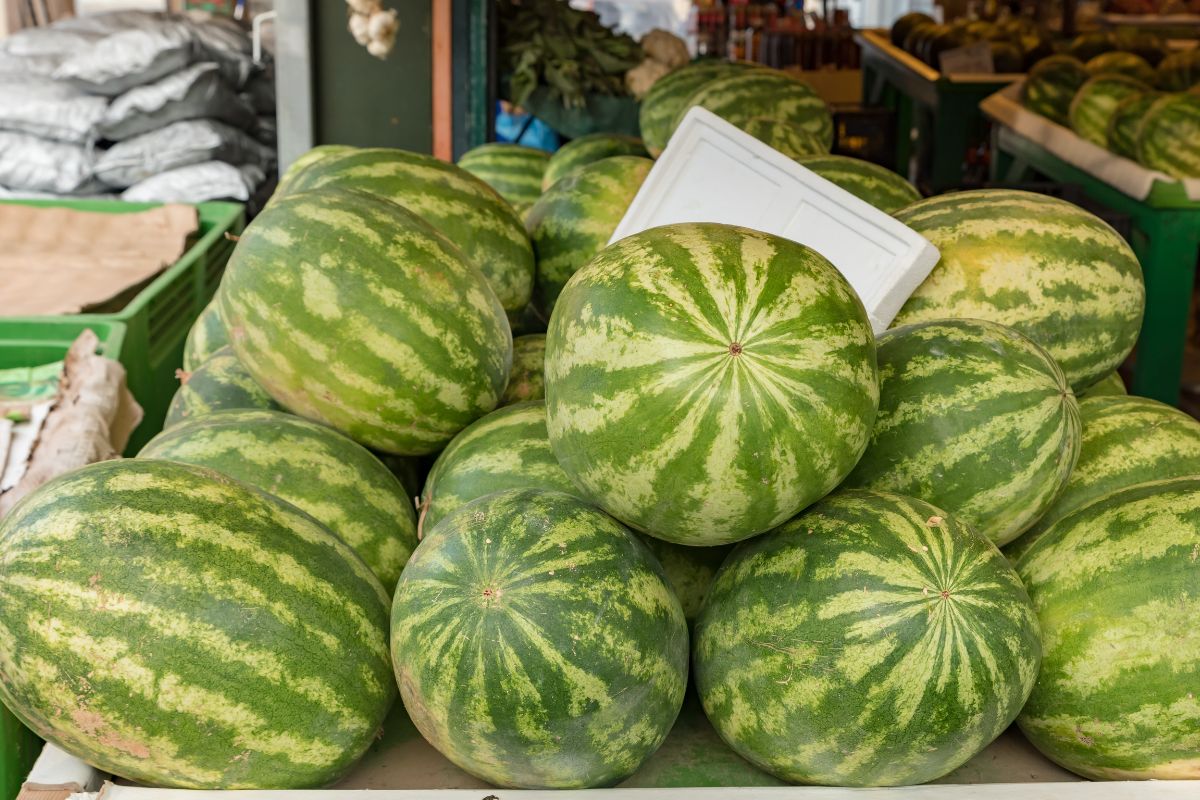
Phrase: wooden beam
{"type": "Point", "coordinates": [443, 80]}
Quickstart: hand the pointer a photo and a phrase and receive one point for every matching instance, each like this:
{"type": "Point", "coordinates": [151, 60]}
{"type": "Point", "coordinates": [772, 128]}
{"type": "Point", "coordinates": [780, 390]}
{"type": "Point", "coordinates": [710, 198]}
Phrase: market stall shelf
{"type": "Point", "coordinates": [1165, 217]}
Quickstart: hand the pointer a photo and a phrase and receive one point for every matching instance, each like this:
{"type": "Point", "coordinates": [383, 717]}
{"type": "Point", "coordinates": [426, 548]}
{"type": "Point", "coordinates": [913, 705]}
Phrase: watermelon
{"type": "Point", "coordinates": [1111, 384]}
{"type": "Point", "coordinates": [321, 300]}
{"type": "Point", "coordinates": [791, 140]}
{"type": "Point", "coordinates": [527, 379]}
{"type": "Point", "coordinates": [1130, 65]}
{"type": "Point", "coordinates": [1168, 139]}
{"type": "Point", "coordinates": [872, 183]}
{"type": "Point", "coordinates": [666, 97]}
{"type": "Point", "coordinates": [973, 418]}
{"type": "Point", "coordinates": [206, 337]}
{"type": "Point", "coordinates": [589, 149]}
{"type": "Point", "coordinates": [507, 449]}
{"type": "Point", "coordinates": [1087, 46]}
{"type": "Point", "coordinates": [1179, 71]}
{"type": "Point", "coordinates": [763, 93]}
{"type": "Point", "coordinates": [1051, 85]}
{"type": "Point", "coordinates": [512, 170]}
{"type": "Point", "coordinates": [574, 219]}
{"type": "Point", "coordinates": [305, 161]}
{"type": "Point", "coordinates": [177, 628]}
{"type": "Point", "coordinates": [456, 203]}
{"type": "Point", "coordinates": [218, 384]}
{"type": "Point", "coordinates": [1056, 273]}
{"type": "Point", "coordinates": [1094, 104]}
{"type": "Point", "coordinates": [905, 24]}
{"type": "Point", "coordinates": [872, 641]}
{"type": "Point", "coordinates": [1126, 441]}
{"type": "Point", "coordinates": [1126, 119]}
{"type": "Point", "coordinates": [536, 643]}
{"type": "Point", "coordinates": [1117, 592]}
{"type": "Point", "coordinates": [690, 571]}
{"type": "Point", "coordinates": [314, 468]}
{"type": "Point", "coordinates": [705, 382]}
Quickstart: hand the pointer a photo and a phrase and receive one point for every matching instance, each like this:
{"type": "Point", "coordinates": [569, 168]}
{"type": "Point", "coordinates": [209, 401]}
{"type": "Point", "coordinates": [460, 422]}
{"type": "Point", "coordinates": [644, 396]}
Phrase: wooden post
{"type": "Point", "coordinates": [443, 76]}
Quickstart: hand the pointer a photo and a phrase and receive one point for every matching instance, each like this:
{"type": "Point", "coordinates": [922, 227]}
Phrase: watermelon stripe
{"type": "Point", "coordinates": [1094, 104]}
{"type": "Point", "coordinates": [128, 586]}
{"type": "Point", "coordinates": [791, 140]}
{"type": "Point", "coordinates": [512, 170]}
{"type": "Point", "coordinates": [874, 597]}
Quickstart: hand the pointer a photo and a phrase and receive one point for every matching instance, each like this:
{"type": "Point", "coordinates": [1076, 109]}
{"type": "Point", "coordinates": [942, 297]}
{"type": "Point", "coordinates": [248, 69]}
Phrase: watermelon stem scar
{"type": "Point", "coordinates": [735, 349]}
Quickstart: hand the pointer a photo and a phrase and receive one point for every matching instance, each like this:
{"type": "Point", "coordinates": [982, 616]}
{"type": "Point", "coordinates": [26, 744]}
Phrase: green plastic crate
{"type": "Point", "coordinates": [158, 318]}
{"type": "Point", "coordinates": [31, 342]}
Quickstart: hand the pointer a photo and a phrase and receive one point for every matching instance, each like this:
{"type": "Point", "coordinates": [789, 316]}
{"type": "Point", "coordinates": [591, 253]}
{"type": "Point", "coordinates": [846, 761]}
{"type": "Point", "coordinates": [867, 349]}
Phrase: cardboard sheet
{"type": "Point", "coordinates": [56, 260]}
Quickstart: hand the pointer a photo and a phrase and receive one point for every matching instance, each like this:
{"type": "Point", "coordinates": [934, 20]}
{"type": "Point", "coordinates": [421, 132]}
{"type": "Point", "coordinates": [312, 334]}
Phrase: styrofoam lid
{"type": "Point", "coordinates": [711, 171]}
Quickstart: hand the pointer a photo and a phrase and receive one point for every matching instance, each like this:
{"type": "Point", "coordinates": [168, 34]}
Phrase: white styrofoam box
{"type": "Point", "coordinates": [713, 172]}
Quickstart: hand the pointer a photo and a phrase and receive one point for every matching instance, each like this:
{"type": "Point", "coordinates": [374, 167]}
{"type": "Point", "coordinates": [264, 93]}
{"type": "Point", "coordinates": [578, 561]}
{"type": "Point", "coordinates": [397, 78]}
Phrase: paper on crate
{"type": "Point", "coordinates": [711, 171]}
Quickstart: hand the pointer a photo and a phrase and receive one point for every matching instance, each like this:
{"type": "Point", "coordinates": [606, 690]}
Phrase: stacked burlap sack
{"type": "Point", "coordinates": [147, 106]}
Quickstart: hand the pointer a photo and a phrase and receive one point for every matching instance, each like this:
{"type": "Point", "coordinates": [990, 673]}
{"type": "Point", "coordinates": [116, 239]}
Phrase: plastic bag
{"type": "Point", "coordinates": [119, 62]}
{"type": "Point", "coordinates": [41, 165]}
{"type": "Point", "coordinates": [198, 183]}
{"type": "Point", "coordinates": [195, 93]}
{"type": "Point", "coordinates": [179, 144]}
{"type": "Point", "coordinates": [46, 108]}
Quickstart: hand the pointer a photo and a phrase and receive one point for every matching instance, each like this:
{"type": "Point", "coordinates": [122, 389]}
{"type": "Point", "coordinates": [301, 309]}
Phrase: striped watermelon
{"type": "Point", "coordinates": [574, 219]}
{"type": "Point", "coordinates": [1059, 275]}
{"type": "Point", "coordinates": [314, 468]}
{"type": "Point", "coordinates": [1116, 586]}
{"type": "Point", "coordinates": [1051, 85]}
{"type": "Point", "coordinates": [456, 203]}
{"type": "Point", "coordinates": [666, 97]}
{"type": "Point", "coordinates": [512, 170]}
{"type": "Point", "coordinates": [791, 140]}
{"type": "Point", "coordinates": [1126, 119]}
{"type": "Point", "coordinates": [179, 629]}
{"type": "Point", "coordinates": [1111, 384]}
{"type": "Point", "coordinates": [872, 641]}
{"type": "Point", "coordinates": [1168, 139]}
{"type": "Point", "coordinates": [741, 386]}
{"type": "Point", "coordinates": [305, 161]}
{"type": "Point", "coordinates": [1180, 71]}
{"type": "Point", "coordinates": [1121, 63]}
{"type": "Point", "coordinates": [1126, 441]}
{"type": "Point", "coordinates": [1095, 102]}
{"type": "Point", "coordinates": [527, 380]}
{"type": "Point", "coordinates": [587, 150]}
{"type": "Point", "coordinates": [690, 571]}
{"type": "Point", "coordinates": [220, 383]}
{"type": "Point", "coordinates": [869, 182]}
{"type": "Point", "coordinates": [351, 311]}
{"type": "Point", "coordinates": [973, 418]}
{"type": "Point", "coordinates": [750, 94]}
{"type": "Point", "coordinates": [205, 338]}
{"type": "Point", "coordinates": [536, 643]}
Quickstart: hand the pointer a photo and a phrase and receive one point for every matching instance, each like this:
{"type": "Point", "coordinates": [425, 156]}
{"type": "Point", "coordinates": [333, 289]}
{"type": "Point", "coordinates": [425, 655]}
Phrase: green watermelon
{"type": "Point", "coordinates": [1130, 65]}
{"type": "Point", "coordinates": [705, 382]}
{"type": "Point", "coordinates": [536, 643]}
{"type": "Point", "coordinates": [512, 170]}
{"type": "Point", "coordinates": [1056, 273]}
{"type": "Point", "coordinates": [1126, 441]}
{"type": "Point", "coordinates": [791, 140]}
{"type": "Point", "coordinates": [689, 570]}
{"type": "Point", "coordinates": [220, 383]}
{"type": "Point", "coordinates": [1094, 104]}
{"type": "Point", "coordinates": [666, 97]}
{"type": "Point", "coordinates": [872, 641]}
{"type": "Point", "coordinates": [575, 218]}
{"type": "Point", "coordinates": [1179, 71]}
{"type": "Point", "coordinates": [763, 93]}
{"type": "Point", "coordinates": [527, 381]}
{"type": "Point", "coordinates": [1116, 586]}
{"type": "Point", "coordinates": [1111, 384]}
{"type": "Point", "coordinates": [305, 161]}
{"type": "Point", "coordinates": [589, 149]}
{"type": "Point", "coordinates": [456, 203]}
{"type": "Point", "coordinates": [1087, 46]}
{"type": "Point", "coordinates": [1168, 139]}
{"type": "Point", "coordinates": [206, 337]}
{"type": "Point", "coordinates": [1051, 85]}
{"type": "Point", "coordinates": [905, 25]}
{"type": "Point", "coordinates": [1126, 120]}
{"type": "Point", "coordinates": [869, 182]}
{"type": "Point", "coordinates": [314, 468]}
{"type": "Point", "coordinates": [352, 311]}
{"type": "Point", "coordinates": [973, 418]}
{"type": "Point", "coordinates": [179, 629]}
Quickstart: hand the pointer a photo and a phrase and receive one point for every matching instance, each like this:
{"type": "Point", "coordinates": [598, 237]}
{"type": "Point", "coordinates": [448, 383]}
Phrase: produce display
{"type": "Point", "coordinates": [1016, 42]}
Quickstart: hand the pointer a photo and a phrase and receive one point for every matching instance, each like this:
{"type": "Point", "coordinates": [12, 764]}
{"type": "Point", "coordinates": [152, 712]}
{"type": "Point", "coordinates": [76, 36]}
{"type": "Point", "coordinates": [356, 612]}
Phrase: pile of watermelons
{"type": "Point", "coordinates": [1016, 42]}
{"type": "Point", "coordinates": [695, 466]}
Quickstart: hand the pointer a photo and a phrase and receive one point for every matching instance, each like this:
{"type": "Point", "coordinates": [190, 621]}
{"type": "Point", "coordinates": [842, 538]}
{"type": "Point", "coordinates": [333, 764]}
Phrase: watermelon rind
{"type": "Point", "coordinates": [578, 153]}
{"type": "Point", "coordinates": [869, 182]}
{"type": "Point", "coordinates": [206, 336]}
{"type": "Point", "coordinates": [220, 383]}
{"type": "Point", "coordinates": [513, 170]}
